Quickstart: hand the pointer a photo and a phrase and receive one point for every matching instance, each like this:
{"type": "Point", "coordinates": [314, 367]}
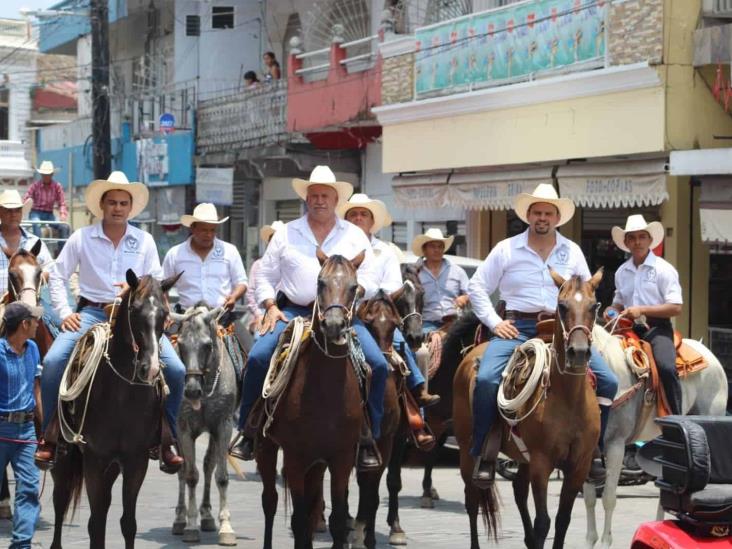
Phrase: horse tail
{"type": "Point", "coordinates": [489, 507]}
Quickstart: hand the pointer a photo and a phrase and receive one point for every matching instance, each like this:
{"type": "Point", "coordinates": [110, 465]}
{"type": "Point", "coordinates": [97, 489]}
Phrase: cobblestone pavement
{"type": "Point", "coordinates": [444, 526]}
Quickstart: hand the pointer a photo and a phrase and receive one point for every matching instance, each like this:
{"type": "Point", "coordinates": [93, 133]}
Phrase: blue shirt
{"type": "Point", "coordinates": [17, 374]}
{"type": "Point", "coordinates": [440, 292]}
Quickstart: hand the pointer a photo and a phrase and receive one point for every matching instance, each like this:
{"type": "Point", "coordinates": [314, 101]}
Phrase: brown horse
{"type": "Point", "coordinates": [318, 419]}
{"type": "Point", "coordinates": [562, 432]}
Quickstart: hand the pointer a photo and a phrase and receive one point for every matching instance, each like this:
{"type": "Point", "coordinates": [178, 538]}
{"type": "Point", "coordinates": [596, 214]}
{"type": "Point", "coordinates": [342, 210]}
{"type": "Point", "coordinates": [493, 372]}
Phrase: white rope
{"type": "Point", "coordinates": [509, 408]}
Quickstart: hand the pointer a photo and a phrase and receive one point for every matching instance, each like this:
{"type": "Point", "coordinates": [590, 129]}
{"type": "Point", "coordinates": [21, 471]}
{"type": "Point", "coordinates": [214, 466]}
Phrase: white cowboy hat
{"type": "Point", "coordinates": [638, 223]}
{"type": "Point", "coordinates": [544, 192]}
{"type": "Point", "coordinates": [10, 199]}
{"type": "Point", "coordinates": [117, 181]}
{"type": "Point", "coordinates": [205, 212]}
{"type": "Point", "coordinates": [433, 234]}
{"type": "Point", "coordinates": [376, 207]}
{"type": "Point", "coordinates": [323, 175]}
{"type": "Point", "coordinates": [46, 168]}
{"type": "Point", "coordinates": [266, 232]}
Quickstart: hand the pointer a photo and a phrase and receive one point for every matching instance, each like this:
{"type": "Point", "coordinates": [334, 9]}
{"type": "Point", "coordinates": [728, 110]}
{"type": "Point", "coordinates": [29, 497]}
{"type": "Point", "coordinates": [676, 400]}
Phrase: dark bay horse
{"type": "Point", "coordinates": [123, 415]}
{"type": "Point", "coordinates": [318, 419]}
{"type": "Point", "coordinates": [562, 431]}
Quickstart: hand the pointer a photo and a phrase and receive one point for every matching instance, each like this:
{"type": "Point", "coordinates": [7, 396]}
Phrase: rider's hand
{"type": "Point", "coordinates": [255, 323]}
{"type": "Point", "coordinates": [506, 330]}
{"type": "Point", "coordinates": [230, 302]}
{"type": "Point", "coordinates": [633, 312]}
{"type": "Point", "coordinates": [461, 301]}
{"type": "Point", "coordinates": [271, 317]}
{"type": "Point", "coordinates": [71, 323]}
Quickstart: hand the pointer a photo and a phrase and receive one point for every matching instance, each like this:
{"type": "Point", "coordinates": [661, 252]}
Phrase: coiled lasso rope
{"type": "Point", "coordinates": [510, 407]}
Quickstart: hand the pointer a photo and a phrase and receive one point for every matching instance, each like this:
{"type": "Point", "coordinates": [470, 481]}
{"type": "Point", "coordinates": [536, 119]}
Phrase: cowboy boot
{"type": "Point", "coordinates": [425, 441]}
{"type": "Point", "coordinates": [597, 473]}
{"type": "Point", "coordinates": [484, 471]}
{"type": "Point", "coordinates": [243, 445]}
{"type": "Point", "coordinates": [45, 456]}
{"type": "Point", "coordinates": [368, 455]}
{"type": "Point", "coordinates": [423, 398]}
{"type": "Point", "coordinates": [170, 460]}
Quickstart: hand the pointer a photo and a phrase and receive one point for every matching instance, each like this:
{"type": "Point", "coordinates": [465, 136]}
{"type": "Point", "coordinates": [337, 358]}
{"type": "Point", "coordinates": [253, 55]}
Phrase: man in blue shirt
{"type": "Point", "coordinates": [20, 371]}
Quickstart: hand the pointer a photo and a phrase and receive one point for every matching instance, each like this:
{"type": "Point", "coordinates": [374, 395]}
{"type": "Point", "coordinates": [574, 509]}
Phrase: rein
{"type": "Point", "coordinates": [321, 315]}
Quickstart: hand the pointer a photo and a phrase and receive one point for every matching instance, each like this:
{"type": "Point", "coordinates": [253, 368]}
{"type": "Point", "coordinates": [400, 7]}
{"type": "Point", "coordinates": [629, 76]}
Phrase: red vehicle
{"type": "Point", "coordinates": [693, 465]}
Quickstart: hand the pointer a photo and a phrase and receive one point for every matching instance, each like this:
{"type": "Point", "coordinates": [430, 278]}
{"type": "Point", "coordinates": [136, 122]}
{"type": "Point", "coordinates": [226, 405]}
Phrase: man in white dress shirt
{"type": "Point", "coordinates": [648, 285]}
{"type": "Point", "coordinates": [371, 215]}
{"type": "Point", "coordinates": [519, 268]}
{"type": "Point", "coordinates": [211, 270]}
{"type": "Point", "coordinates": [104, 252]}
{"type": "Point", "coordinates": [291, 267]}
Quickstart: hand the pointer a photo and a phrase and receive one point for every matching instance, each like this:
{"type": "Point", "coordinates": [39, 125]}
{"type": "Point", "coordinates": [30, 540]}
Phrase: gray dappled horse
{"type": "Point", "coordinates": [209, 400]}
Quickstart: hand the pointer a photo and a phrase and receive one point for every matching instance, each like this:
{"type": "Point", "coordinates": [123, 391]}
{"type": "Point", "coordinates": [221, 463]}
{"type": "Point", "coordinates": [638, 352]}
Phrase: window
{"type": "Point", "coordinates": [193, 25]}
{"type": "Point", "coordinates": [4, 107]}
{"type": "Point", "coordinates": [222, 17]}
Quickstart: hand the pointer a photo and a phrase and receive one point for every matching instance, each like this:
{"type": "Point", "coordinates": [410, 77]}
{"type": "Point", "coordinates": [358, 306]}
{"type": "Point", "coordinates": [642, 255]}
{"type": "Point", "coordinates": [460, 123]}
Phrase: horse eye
{"type": "Point", "coordinates": [562, 308]}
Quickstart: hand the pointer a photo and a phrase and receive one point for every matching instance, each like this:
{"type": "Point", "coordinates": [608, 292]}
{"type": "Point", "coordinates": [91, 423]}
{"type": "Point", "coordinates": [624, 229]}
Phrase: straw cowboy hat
{"type": "Point", "coordinates": [266, 232]}
{"type": "Point", "coordinates": [544, 193]}
{"type": "Point", "coordinates": [117, 181]}
{"type": "Point", "coordinates": [376, 207]}
{"type": "Point", "coordinates": [46, 168]}
{"type": "Point", "coordinates": [433, 234]}
{"type": "Point", "coordinates": [205, 212]}
{"type": "Point", "coordinates": [10, 199]}
{"type": "Point", "coordinates": [638, 223]}
{"type": "Point", "coordinates": [323, 175]}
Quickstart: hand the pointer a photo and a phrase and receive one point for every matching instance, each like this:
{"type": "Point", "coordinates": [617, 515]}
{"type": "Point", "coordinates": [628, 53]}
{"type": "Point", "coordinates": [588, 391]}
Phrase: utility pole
{"type": "Point", "coordinates": [99, 14]}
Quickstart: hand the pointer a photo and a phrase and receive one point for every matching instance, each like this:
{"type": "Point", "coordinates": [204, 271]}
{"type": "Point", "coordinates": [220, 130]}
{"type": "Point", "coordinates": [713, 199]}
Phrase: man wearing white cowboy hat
{"type": "Point", "coordinates": [445, 283]}
{"type": "Point", "coordinates": [648, 285]}
{"type": "Point", "coordinates": [211, 270]}
{"type": "Point", "coordinates": [47, 193]}
{"type": "Point", "coordinates": [371, 215]}
{"type": "Point", "coordinates": [518, 267]}
{"type": "Point", "coordinates": [290, 266]}
{"type": "Point", "coordinates": [104, 252]}
{"type": "Point", "coordinates": [255, 311]}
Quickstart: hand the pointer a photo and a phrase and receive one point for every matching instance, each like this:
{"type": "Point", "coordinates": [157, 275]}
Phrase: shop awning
{"type": "Point", "coordinates": [614, 184]}
{"type": "Point", "coordinates": [422, 190]}
{"type": "Point", "coordinates": [486, 190]}
{"type": "Point", "coordinates": [715, 210]}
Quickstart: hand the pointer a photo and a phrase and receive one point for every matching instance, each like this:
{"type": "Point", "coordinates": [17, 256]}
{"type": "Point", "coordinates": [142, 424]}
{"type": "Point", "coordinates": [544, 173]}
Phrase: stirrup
{"type": "Point", "coordinates": [484, 474]}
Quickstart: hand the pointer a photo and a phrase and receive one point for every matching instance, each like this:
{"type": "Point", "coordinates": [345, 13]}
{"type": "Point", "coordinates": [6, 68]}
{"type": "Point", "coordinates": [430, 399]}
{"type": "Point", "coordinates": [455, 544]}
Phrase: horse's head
{"type": "Point", "coordinates": [409, 300]}
{"type": "Point", "coordinates": [141, 318]}
{"type": "Point", "coordinates": [337, 295]}
{"type": "Point", "coordinates": [24, 275]}
{"type": "Point", "coordinates": [381, 317]}
{"type": "Point", "coordinates": [576, 313]}
{"type": "Point", "coordinates": [196, 347]}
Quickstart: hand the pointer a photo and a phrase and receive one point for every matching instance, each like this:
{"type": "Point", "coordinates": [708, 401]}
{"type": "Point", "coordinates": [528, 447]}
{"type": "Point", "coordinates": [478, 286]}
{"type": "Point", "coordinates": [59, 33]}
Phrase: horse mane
{"type": "Point", "coordinates": [452, 348]}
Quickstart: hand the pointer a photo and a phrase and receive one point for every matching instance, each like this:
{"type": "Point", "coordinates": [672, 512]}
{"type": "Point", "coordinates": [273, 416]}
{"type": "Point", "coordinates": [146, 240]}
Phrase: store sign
{"type": "Point", "coordinates": [489, 195]}
{"type": "Point", "coordinates": [614, 191]}
{"type": "Point", "coordinates": [215, 185]}
{"type": "Point", "coordinates": [153, 162]}
{"type": "Point", "coordinates": [167, 122]}
{"type": "Point", "coordinates": [422, 196]}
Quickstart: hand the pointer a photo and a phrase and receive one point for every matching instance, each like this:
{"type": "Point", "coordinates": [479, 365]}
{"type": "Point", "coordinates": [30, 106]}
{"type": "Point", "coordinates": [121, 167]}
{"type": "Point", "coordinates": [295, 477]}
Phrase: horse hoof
{"type": "Point", "coordinates": [227, 538]}
{"type": "Point", "coordinates": [397, 538]}
{"type": "Point", "coordinates": [427, 503]}
{"type": "Point", "coordinates": [190, 535]}
{"type": "Point", "coordinates": [321, 527]}
{"type": "Point", "coordinates": [178, 528]}
{"type": "Point", "coordinates": [359, 535]}
{"type": "Point", "coordinates": [208, 524]}
{"type": "Point", "coordinates": [434, 495]}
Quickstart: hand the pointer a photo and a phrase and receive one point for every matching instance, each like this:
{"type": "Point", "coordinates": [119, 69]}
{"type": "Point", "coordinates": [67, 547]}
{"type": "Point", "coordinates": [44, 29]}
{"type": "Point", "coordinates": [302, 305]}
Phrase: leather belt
{"type": "Point", "coordinates": [519, 315]}
{"type": "Point", "coordinates": [84, 302]}
{"type": "Point", "coordinates": [17, 417]}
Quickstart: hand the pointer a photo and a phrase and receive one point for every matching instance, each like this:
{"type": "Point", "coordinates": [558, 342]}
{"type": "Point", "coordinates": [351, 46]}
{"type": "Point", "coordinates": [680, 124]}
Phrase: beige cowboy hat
{"type": "Point", "coordinates": [323, 175]}
{"type": "Point", "coordinates": [205, 212]}
{"type": "Point", "coordinates": [10, 199]}
{"type": "Point", "coordinates": [544, 192]}
{"type": "Point", "coordinates": [638, 223]}
{"type": "Point", "coordinates": [117, 181]}
{"type": "Point", "coordinates": [376, 207]}
{"type": "Point", "coordinates": [433, 234]}
{"type": "Point", "coordinates": [266, 232]}
{"type": "Point", "coordinates": [46, 168]}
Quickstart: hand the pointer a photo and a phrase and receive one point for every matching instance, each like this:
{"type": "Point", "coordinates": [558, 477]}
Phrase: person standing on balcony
{"type": "Point", "coordinates": [47, 193]}
{"type": "Point", "coordinates": [250, 80]}
{"type": "Point", "coordinates": [272, 71]}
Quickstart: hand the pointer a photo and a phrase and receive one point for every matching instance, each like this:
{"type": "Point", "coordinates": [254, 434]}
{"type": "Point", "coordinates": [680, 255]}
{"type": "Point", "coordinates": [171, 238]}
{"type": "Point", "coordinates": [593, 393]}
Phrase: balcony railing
{"type": "Point", "coordinates": [251, 118]}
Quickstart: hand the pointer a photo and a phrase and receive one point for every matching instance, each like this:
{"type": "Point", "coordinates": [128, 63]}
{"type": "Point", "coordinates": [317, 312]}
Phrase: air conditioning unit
{"type": "Point", "coordinates": [718, 8]}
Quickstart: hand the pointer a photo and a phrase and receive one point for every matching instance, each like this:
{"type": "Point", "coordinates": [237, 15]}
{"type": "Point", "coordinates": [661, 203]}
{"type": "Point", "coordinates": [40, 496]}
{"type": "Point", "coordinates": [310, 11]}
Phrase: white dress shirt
{"type": "Point", "coordinates": [211, 280]}
{"type": "Point", "coordinates": [101, 265]}
{"type": "Point", "coordinates": [290, 265]}
{"type": "Point", "coordinates": [653, 282]}
{"type": "Point", "coordinates": [27, 241]}
{"type": "Point", "coordinates": [386, 266]}
{"type": "Point", "coordinates": [522, 277]}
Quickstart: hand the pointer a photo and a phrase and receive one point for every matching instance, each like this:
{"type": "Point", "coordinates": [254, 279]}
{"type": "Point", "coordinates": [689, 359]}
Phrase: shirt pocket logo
{"type": "Point", "coordinates": [562, 256]}
{"type": "Point", "coordinates": [218, 252]}
{"type": "Point", "coordinates": [651, 275]}
{"type": "Point", "coordinates": [131, 244]}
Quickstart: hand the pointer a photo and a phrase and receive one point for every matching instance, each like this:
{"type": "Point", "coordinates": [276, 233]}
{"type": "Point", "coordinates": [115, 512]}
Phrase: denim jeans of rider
{"type": "Point", "coordinates": [415, 378]}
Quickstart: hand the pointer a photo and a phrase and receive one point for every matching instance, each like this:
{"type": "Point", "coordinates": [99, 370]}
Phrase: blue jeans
{"type": "Point", "coordinates": [27, 480]}
{"type": "Point", "coordinates": [261, 352]}
{"type": "Point", "coordinates": [430, 326]}
{"type": "Point", "coordinates": [38, 215]}
{"type": "Point", "coordinates": [416, 378]}
{"type": "Point", "coordinates": [58, 355]}
{"type": "Point", "coordinates": [494, 361]}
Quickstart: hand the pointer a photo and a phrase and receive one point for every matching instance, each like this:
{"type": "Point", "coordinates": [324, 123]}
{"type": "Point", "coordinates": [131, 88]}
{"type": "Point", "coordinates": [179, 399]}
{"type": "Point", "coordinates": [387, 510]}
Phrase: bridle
{"type": "Point", "coordinates": [567, 334]}
{"type": "Point", "coordinates": [320, 315]}
{"type": "Point", "coordinates": [415, 312]}
{"type": "Point", "coordinates": [17, 294]}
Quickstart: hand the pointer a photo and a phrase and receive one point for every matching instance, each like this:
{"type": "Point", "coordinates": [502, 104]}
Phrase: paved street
{"type": "Point", "coordinates": [444, 526]}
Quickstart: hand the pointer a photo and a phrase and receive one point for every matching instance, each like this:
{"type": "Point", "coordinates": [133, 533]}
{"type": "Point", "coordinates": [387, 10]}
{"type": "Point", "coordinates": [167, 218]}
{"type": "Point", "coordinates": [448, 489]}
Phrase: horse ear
{"type": "Point", "coordinates": [597, 278]}
{"type": "Point", "coordinates": [356, 261]}
{"type": "Point", "coordinates": [36, 249]}
{"type": "Point", "coordinates": [556, 277]}
{"type": "Point", "coordinates": [132, 279]}
{"type": "Point", "coordinates": [320, 254]}
{"type": "Point", "coordinates": [213, 314]}
{"type": "Point", "coordinates": [168, 283]}
{"type": "Point", "coordinates": [398, 293]}
{"type": "Point", "coordinates": [177, 317]}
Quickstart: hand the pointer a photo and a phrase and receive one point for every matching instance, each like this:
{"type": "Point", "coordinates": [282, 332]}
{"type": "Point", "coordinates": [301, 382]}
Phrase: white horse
{"type": "Point", "coordinates": [704, 393]}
